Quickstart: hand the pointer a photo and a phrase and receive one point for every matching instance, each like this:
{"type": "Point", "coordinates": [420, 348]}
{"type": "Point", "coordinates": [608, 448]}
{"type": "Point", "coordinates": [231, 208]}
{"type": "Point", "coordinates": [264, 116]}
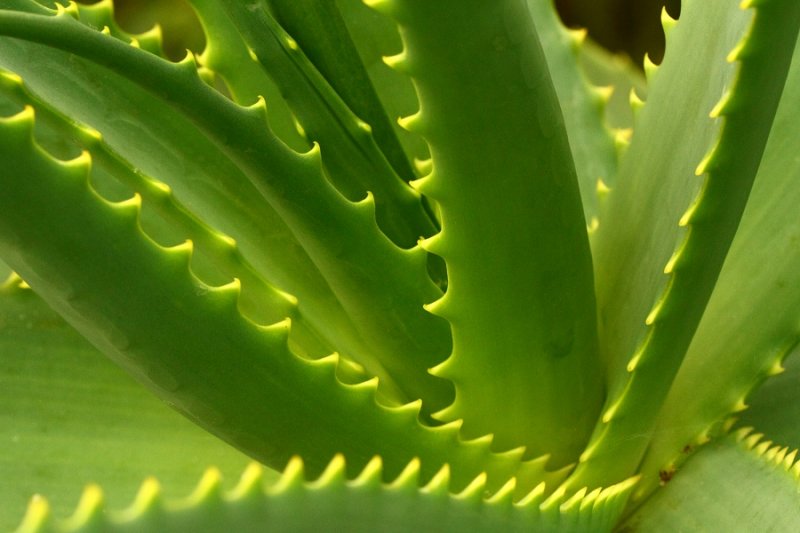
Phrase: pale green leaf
{"type": "Point", "coordinates": [751, 485]}
{"type": "Point", "coordinates": [69, 417]}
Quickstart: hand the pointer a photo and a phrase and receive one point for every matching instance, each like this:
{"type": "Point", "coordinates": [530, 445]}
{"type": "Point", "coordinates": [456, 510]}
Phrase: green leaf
{"type": "Point", "coordinates": [520, 299]}
{"type": "Point", "coordinates": [188, 342]}
{"type": "Point", "coordinates": [260, 300]}
{"type": "Point", "coordinates": [376, 36]}
{"type": "Point", "coordinates": [166, 145]}
{"type": "Point", "coordinates": [320, 30]}
{"type": "Point", "coordinates": [69, 418]}
{"type": "Point", "coordinates": [332, 230]}
{"type": "Point", "coordinates": [617, 72]}
{"type": "Point", "coordinates": [591, 143]}
{"type": "Point", "coordinates": [353, 160]}
{"type": "Point", "coordinates": [741, 483]}
{"type": "Point", "coordinates": [334, 503]}
{"type": "Point", "coordinates": [646, 333]}
{"type": "Point", "coordinates": [774, 408]}
{"type": "Point", "coordinates": [751, 323]}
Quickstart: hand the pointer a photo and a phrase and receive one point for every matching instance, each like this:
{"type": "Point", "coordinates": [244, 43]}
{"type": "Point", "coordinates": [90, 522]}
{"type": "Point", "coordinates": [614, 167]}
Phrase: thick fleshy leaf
{"type": "Point", "coordinates": [591, 143]}
{"type": "Point", "coordinates": [188, 342]}
{"type": "Point", "coordinates": [376, 36]}
{"type": "Point", "coordinates": [353, 160]}
{"type": "Point", "coordinates": [322, 33]}
{"type": "Point", "coordinates": [333, 230]}
{"type": "Point", "coordinates": [749, 485]}
{"type": "Point", "coordinates": [69, 417]}
{"type": "Point", "coordinates": [332, 503]}
{"type": "Point", "coordinates": [774, 407]}
{"type": "Point", "coordinates": [650, 303]}
{"type": "Point", "coordinates": [751, 322]}
{"type": "Point", "coordinates": [164, 144]}
{"type": "Point", "coordinates": [520, 300]}
{"type": "Point", "coordinates": [618, 73]}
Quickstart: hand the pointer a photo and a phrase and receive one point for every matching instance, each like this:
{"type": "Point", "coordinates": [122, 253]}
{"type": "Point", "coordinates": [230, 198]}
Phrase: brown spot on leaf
{"type": "Point", "coordinates": [665, 475]}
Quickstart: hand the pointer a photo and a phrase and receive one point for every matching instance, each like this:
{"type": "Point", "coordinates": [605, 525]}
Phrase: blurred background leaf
{"type": "Point", "coordinates": [630, 27]}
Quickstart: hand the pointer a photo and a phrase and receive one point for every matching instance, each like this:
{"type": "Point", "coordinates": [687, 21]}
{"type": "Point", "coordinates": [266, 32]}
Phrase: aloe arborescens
{"type": "Point", "coordinates": [498, 314]}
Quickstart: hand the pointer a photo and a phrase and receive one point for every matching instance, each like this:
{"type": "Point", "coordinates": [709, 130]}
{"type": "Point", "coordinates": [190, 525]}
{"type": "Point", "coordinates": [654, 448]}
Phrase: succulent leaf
{"type": "Point", "coordinates": [773, 407]}
{"type": "Point", "coordinates": [163, 143]}
{"type": "Point", "coordinates": [503, 175]}
{"type": "Point", "coordinates": [129, 296]}
{"type": "Point", "coordinates": [322, 33]}
{"type": "Point", "coordinates": [352, 158]}
{"type": "Point", "coordinates": [58, 393]}
{"type": "Point", "coordinates": [590, 141]}
{"type": "Point", "coordinates": [333, 502]}
{"type": "Point", "coordinates": [568, 308]}
{"type": "Point", "coordinates": [651, 341]}
{"type": "Point", "coordinates": [329, 227]}
{"type": "Point", "coordinates": [751, 322]}
{"type": "Point", "coordinates": [739, 481]}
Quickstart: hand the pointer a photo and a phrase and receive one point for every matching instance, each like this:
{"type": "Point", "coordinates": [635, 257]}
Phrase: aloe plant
{"type": "Point", "coordinates": [497, 314]}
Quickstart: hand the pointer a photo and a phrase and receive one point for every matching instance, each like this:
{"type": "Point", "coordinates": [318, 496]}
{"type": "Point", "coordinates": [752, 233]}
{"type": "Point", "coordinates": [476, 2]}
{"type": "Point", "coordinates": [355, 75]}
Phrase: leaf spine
{"type": "Point", "coordinates": [762, 447]}
{"type": "Point", "coordinates": [789, 460]}
{"type": "Point", "coordinates": [291, 477]}
{"type": "Point", "coordinates": [720, 108]}
{"type": "Point", "coordinates": [577, 37]}
{"type": "Point", "coordinates": [667, 22]}
{"type": "Point", "coordinates": [737, 53]}
{"type": "Point", "coordinates": [148, 498]}
{"type": "Point", "coordinates": [439, 483]}
{"type": "Point", "coordinates": [634, 362]}
{"type": "Point", "coordinates": [573, 501]}
{"type": "Point", "coordinates": [334, 474]}
{"type": "Point", "coordinates": [408, 477]}
{"type": "Point", "coordinates": [370, 476]}
{"type": "Point", "coordinates": [635, 101]}
{"type": "Point", "coordinates": [249, 482]}
{"type": "Point", "coordinates": [650, 68]}
{"type": "Point", "coordinates": [90, 508]}
{"type": "Point", "coordinates": [504, 494]}
{"type": "Point", "coordinates": [602, 93]}
{"type": "Point", "coordinates": [473, 492]}
{"type": "Point", "coordinates": [534, 497]}
{"type": "Point", "coordinates": [654, 313]}
{"type": "Point", "coordinates": [208, 488]}
{"type": "Point", "coordinates": [37, 515]}
{"type": "Point", "coordinates": [70, 10]}
{"type": "Point", "coordinates": [11, 79]}
{"type": "Point", "coordinates": [423, 167]}
{"type": "Point", "coordinates": [412, 123]}
{"type": "Point", "coordinates": [776, 368]}
{"type": "Point", "coordinates": [398, 62]}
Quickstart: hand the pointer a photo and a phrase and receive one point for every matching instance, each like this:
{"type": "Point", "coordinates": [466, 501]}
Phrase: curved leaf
{"type": "Point", "coordinates": [645, 334]}
{"type": "Point", "coordinates": [751, 322]}
{"type": "Point", "coordinates": [333, 503]}
{"type": "Point", "coordinates": [69, 418]}
{"type": "Point", "coordinates": [164, 144]}
{"type": "Point", "coordinates": [332, 230]}
{"type": "Point", "coordinates": [376, 36]}
{"type": "Point", "coordinates": [520, 300]}
{"type": "Point", "coordinates": [188, 342]}
{"type": "Point", "coordinates": [774, 408]}
{"type": "Point", "coordinates": [749, 485]}
{"type": "Point", "coordinates": [321, 32]}
{"type": "Point", "coordinates": [353, 160]}
{"type": "Point", "coordinates": [591, 143]}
